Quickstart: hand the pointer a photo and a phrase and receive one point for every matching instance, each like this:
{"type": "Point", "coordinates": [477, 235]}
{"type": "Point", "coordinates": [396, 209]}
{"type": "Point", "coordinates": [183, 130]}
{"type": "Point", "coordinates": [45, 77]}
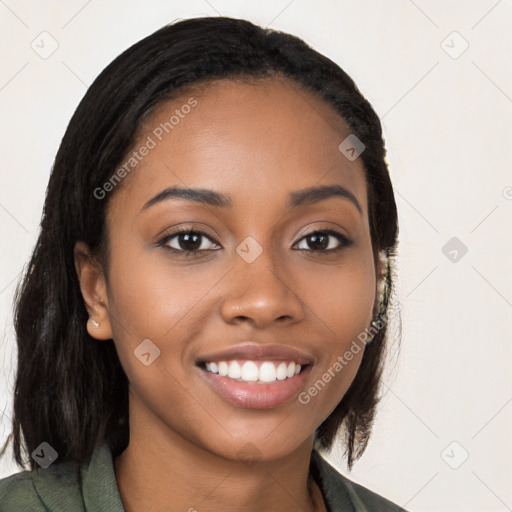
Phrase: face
{"type": "Point", "coordinates": [271, 269]}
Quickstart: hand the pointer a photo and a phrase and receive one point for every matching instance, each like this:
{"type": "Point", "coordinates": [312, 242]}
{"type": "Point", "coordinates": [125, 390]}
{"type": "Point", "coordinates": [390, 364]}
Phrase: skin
{"type": "Point", "coordinates": [256, 142]}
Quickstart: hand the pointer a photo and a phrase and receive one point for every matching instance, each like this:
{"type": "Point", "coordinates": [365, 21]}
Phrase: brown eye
{"type": "Point", "coordinates": [325, 241]}
{"type": "Point", "coordinates": [187, 241]}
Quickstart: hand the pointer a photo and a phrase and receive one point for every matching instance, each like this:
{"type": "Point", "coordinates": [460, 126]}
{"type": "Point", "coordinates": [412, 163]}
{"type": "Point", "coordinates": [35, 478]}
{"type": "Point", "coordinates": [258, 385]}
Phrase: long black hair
{"type": "Point", "coordinates": [70, 390]}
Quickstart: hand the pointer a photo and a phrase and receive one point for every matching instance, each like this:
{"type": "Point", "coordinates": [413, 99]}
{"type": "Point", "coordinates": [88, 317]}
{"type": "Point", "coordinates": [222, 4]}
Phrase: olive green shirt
{"type": "Point", "coordinates": [93, 488]}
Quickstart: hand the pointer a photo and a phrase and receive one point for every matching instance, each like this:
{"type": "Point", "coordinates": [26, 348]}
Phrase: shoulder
{"type": "Point", "coordinates": [66, 486]}
{"type": "Point", "coordinates": [54, 488]}
{"type": "Point", "coordinates": [340, 492]}
{"type": "Point", "coordinates": [371, 500]}
{"type": "Point", "coordinates": [17, 493]}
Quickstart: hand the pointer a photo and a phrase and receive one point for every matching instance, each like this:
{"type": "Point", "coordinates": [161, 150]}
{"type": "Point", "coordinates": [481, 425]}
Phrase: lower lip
{"type": "Point", "coordinates": [255, 395]}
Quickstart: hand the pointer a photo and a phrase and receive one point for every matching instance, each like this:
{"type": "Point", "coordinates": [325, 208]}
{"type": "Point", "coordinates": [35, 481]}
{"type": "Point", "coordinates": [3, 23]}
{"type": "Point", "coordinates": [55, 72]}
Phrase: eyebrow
{"type": "Point", "coordinates": [305, 196]}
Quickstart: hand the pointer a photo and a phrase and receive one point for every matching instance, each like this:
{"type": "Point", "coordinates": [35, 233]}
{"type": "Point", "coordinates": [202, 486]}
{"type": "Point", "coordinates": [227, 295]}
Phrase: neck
{"type": "Point", "coordinates": [163, 470]}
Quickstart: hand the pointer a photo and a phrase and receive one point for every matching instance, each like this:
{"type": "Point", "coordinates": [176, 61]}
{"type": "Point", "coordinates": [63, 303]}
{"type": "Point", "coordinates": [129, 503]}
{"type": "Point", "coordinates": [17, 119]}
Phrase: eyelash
{"type": "Point", "coordinates": [344, 242]}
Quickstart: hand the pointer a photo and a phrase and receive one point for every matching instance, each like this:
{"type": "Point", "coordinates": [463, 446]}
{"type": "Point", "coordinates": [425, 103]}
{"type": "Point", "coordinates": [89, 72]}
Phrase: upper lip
{"type": "Point", "coordinates": [257, 352]}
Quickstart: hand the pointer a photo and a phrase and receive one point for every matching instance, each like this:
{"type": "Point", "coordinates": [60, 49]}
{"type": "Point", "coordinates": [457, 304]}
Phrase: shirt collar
{"type": "Point", "coordinates": [331, 483]}
{"type": "Point", "coordinates": [99, 483]}
{"type": "Point", "coordinates": [94, 486]}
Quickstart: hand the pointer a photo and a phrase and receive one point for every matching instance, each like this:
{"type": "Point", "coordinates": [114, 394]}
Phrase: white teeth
{"type": "Point", "coordinates": [234, 370]}
{"type": "Point", "coordinates": [249, 372]}
{"type": "Point", "coordinates": [281, 372]}
{"type": "Point", "coordinates": [223, 368]}
{"type": "Point", "coordinates": [268, 371]}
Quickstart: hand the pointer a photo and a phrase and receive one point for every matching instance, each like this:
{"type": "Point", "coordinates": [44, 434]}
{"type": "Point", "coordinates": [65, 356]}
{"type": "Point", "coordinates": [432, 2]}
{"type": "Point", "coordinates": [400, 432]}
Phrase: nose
{"type": "Point", "coordinates": [261, 293]}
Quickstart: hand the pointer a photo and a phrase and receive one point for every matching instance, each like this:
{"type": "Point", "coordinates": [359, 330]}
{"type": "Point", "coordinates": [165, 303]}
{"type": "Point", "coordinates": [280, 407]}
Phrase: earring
{"type": "Point", "coordinates": [94, 323]}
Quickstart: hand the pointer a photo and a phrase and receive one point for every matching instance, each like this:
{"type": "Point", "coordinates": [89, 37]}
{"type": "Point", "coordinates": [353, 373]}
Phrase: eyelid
{"type": "Point", "coordinates": [185, 229]}
{"type": "Point", "coordinates": [324, 229]}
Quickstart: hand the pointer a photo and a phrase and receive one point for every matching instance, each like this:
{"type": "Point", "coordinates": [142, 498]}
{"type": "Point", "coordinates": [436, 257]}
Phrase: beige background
{"type": "Point", "coordinates": [447, 115]}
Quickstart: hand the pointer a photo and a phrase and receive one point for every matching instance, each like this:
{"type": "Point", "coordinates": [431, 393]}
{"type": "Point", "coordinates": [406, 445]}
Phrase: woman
{"type": "Point", "coordinates": [205, 309]}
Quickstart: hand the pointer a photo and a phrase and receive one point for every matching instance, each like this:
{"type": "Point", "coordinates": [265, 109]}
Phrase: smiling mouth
{"type": "Point", "coordinates": [254, 371]}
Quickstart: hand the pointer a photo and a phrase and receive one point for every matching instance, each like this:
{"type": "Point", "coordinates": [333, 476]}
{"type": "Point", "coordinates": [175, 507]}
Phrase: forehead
{"type": "Point", "coordinates": [250, 139]}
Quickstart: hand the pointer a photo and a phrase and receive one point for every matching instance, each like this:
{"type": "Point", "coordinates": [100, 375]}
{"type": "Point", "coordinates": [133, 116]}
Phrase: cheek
{"type": "Point", "coordinates": [149, 296]}
{"type": "Point", "coordinates": [160, 303]}
{"type": "Point", "coordinates": [343, 304]}
{"type": "Point", "coordinates": [343, 299]}
{"type": "Point", "coordinates": [165, 303]}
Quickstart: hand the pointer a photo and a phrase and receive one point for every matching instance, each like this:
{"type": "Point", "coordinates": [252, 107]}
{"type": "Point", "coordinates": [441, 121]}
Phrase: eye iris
{"type": "Point", "coordinates": [316, 246]}
{"type": "Point", "coordinates": [186, 238]}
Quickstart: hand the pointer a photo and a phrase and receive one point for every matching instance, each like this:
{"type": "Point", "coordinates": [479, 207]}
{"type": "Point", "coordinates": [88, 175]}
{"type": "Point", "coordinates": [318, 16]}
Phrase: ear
{"type": "Point", "coordinates": [94, 291]}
